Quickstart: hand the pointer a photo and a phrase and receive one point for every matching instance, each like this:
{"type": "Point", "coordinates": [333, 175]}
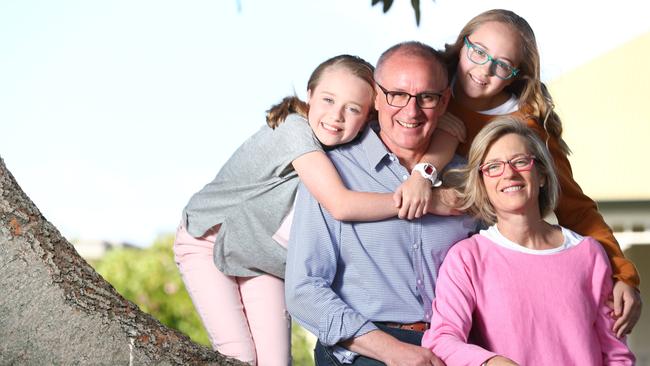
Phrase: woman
{"type": "Point", "coordinates": [496, 67]}
{"type": "Point", "coordinates": [522, 292]}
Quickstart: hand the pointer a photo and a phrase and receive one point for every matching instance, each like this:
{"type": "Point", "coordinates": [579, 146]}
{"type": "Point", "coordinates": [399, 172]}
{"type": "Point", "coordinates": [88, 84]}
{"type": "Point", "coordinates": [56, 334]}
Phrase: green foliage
{"type": "Point", "coordinates": [302, 346]}
{"type": "Point", "coordinates": [386, 4]}
{"type": "Point", "coordinates": [149, 278]}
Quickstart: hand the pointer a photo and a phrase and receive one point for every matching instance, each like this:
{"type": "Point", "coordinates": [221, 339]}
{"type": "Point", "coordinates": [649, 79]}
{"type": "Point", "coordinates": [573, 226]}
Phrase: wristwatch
{"type": "Point", "coordinates": [429, 172]}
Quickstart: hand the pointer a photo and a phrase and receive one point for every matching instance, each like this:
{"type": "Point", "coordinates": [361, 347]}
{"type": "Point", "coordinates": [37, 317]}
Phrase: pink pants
{"type": "Point", "coordinates": [245, 317]}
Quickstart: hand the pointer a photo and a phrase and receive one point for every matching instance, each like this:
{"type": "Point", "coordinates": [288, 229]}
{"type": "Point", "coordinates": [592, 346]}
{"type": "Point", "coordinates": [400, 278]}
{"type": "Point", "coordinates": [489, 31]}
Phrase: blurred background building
{"type": "Point", "coordinates": [604, 106]}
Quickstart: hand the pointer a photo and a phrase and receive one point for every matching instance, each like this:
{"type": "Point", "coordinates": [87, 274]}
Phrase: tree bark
{"type": "Point", "coordinates": [55, 309]}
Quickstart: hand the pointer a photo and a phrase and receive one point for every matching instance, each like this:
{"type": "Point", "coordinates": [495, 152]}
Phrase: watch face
{"type": "Point", "coordinates": [428, 169]}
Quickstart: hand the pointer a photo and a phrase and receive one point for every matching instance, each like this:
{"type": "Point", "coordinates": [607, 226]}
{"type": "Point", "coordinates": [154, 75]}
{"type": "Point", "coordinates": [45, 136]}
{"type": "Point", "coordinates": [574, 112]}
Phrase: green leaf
{"type": "Point", "coordinates": [386, 4]}
{"type": "Point", "coordinates": [416, 8]}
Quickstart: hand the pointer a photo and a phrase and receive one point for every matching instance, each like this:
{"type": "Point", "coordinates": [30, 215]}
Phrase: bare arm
{"type": "Point", "coordinates": [445, 139]}
{"type": "Point", "coordinates": [412, 199]}
{"type": "Point", "coordinates": [322, 179]}
{"type": "Point", "coordinates": [412, 196]}
{"type": "Point", "coordinates": [441, 149]}
{"type": "Point", "coordinates": [382, 346]}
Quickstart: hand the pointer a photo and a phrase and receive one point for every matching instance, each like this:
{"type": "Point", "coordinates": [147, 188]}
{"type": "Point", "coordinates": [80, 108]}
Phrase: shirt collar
{"type": "Point", "coordinates": [375, 149]}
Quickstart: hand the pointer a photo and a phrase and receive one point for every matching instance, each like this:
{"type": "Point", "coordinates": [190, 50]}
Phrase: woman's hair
{"type": "Point", "coordinates": [292, 104]}
{"type": "Point", "coordinates": [468, 181]}
{"type": "Point", "coordinates": [527, 86]}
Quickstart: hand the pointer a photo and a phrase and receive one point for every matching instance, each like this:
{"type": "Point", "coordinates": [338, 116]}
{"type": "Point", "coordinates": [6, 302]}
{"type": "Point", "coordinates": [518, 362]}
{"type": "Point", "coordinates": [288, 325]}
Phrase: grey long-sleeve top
{"type": "Point", "coordinates": [250, 196]}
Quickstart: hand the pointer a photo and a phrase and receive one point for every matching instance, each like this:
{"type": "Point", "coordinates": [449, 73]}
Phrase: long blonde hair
{"type": "Point", "coordinates": [533, 95]}
{"type": "Point", "coordinates": [292, 104]}
{"type": "Point", "coordinates": [468, 181]}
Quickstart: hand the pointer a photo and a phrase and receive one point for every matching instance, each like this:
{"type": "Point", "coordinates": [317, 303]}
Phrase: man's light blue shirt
{"type": "Point", "coordinates": [342, 276]}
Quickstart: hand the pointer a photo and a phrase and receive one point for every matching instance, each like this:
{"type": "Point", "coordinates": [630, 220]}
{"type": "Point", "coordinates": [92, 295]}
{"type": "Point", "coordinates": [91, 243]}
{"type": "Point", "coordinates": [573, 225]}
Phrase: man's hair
{"type": "Point", "coordinates": [411, 49]}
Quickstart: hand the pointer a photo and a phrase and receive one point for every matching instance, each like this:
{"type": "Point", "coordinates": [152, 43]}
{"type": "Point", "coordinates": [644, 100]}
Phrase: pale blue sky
{"type": "Point", "coordinates": [114, 113]}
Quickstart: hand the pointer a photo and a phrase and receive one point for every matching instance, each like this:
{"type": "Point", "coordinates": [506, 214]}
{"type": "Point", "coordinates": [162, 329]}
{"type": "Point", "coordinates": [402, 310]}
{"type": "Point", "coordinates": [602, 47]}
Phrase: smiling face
{"type": "Point", "coordinates": [512, 193]}
{"type": "Point", "coordinates": [408, 129]}
{"type": "Point", "coordinates": [339, 106]}
{"type": "Point", "coordinates": [476, 85]}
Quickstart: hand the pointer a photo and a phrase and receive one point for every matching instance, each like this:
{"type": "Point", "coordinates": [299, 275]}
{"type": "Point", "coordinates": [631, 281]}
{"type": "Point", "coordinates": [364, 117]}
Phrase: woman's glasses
{"type": "Point", "coordinates": [496, 168]}
{"type": "Point", "coordinates": [480, 57]}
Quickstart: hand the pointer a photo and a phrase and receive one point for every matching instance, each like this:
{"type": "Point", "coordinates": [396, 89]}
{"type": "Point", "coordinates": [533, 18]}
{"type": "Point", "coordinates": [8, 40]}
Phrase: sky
{"type": "Point", "coordinates": [113, 113]}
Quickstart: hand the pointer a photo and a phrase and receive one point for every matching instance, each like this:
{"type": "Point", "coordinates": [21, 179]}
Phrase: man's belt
{"type": "Point", "coordinates": [418, 327]}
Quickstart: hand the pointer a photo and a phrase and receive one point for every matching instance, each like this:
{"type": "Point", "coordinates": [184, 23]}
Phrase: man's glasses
{"type": "Point", "coordinates": [496, 168]}
{"type": "Point", "coordinates": [426, 100]}
{"type": "Point", "coordinates": [480, 57]}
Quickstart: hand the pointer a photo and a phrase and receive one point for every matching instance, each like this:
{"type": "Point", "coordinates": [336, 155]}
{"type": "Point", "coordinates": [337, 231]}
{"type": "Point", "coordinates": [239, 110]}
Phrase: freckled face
{"type": "Point", "coordinates": [339, 106]}
{"type": "Point", "coordinates": [513, 192]}
{"type": "Point", "coordinates": [477, 84]}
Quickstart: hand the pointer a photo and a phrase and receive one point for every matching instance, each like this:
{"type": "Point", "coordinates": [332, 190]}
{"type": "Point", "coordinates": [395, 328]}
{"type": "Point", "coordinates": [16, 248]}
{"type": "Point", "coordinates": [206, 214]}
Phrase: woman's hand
{"type": "Point", "coordinates": [626, 308]}
{"type": "Point", "coordinates": [413, 197]}
{"type": "Point", "coordinates": [444, 202]}
{"type": "Point", "coordinates": [501, 361]}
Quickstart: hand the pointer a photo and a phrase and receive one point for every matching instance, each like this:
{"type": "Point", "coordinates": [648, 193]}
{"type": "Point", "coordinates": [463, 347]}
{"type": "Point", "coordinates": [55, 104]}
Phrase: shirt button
{"type": "Point", "coordinates": [405, 177]}
{"type": "Point", "coordinates": [415, 246]}
{"type": "Point", "coordinates": [392, 157]}
{"type": "Point", "coordinates": [419, 281]}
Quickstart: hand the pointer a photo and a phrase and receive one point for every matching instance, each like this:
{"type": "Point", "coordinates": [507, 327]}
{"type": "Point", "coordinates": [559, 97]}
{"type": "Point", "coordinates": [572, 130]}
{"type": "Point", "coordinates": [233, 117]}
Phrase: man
{"type": "Point", "coordinates": [365, 289]}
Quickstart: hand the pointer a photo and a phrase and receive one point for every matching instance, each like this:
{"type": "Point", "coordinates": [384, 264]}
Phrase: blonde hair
{"type": "Point", "coordinates": [468, 181]}
{"type": "Point", "coordinates": [527, 86]}
{"type": "Point", "coordinates": [292, 104]}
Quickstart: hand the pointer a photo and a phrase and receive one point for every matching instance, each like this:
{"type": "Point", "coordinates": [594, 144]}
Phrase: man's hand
{"type": "Point", "coordinates": [626, 308]}
{"type": "Point", "coordinates": [381, 346]}
{"type": "Point", "coordinates": [413, 197]}
{"type": "Point", "coordinates": [501, 361]}
{"type": "Point", "coordinates": [406, 354]}
{"type": "Point", "coordinates": [443, 202]}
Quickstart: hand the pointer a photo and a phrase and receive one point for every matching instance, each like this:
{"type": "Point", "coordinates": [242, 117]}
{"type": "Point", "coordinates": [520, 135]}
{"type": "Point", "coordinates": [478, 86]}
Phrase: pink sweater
{"type": "Point", "coordinates": [534, 309]}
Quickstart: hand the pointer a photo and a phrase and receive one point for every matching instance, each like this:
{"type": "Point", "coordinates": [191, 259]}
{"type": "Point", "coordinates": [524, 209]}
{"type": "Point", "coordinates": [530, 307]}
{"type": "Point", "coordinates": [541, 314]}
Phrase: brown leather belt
{"type": "Point", "coordinates": [418, 327]}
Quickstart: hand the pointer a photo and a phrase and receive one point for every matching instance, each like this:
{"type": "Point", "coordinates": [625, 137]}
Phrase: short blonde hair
{"type": "Point", "coordinates": [468, 181]}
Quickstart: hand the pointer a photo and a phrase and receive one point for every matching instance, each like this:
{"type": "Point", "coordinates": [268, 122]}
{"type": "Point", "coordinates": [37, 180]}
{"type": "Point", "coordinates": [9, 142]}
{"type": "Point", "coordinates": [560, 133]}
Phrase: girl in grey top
{"type": "Point", "coordinates": [231, 222]}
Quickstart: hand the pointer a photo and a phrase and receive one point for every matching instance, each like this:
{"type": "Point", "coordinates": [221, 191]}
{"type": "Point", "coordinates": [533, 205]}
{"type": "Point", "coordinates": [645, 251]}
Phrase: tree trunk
{"type": "Point", "coordinates": [55, 309]}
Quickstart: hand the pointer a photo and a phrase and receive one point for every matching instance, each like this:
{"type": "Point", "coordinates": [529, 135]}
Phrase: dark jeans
{"type": "Point", "coordinates": [324, 357]}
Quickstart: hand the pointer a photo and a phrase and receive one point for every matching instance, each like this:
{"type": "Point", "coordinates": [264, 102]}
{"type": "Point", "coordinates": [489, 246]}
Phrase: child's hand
{"type": "Point", "coordinates": [626, 308]}
{"type": "Point", "coordinates": [413, 197]}
{"type": "Point", "coordinates": [453, 126]}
